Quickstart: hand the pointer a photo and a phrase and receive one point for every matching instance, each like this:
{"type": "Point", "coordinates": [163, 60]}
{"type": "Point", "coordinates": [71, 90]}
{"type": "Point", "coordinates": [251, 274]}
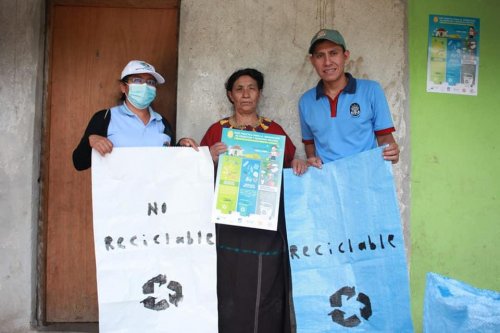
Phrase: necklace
{"type": "Point", "coordinates": [234, 124]}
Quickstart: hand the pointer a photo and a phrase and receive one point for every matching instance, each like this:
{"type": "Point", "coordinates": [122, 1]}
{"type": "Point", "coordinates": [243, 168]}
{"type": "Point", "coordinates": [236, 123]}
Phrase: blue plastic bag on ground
{"type": "Point", "coordinates": [454, 306]}
{"type": "Point", "coordinates": [346, 246]}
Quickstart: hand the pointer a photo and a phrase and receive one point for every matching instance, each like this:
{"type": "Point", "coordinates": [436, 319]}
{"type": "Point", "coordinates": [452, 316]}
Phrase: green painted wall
{"type": "Point", "coordinates": [455, 151]}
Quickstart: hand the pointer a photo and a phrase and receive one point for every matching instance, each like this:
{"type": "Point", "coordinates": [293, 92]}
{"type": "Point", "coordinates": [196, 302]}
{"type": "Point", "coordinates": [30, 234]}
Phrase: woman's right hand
{"type": "Point", "coordinates": [217, 149]}
{"type": "Point", "coordinates": [101, 144]}
{"type": "Point", "coordinates": [299, 167]}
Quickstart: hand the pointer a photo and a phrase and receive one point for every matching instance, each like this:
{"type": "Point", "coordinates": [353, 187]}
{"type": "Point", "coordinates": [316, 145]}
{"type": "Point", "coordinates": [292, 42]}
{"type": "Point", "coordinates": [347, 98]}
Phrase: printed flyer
{"type": "Point", "coordinates": [247, 190]}
{"type": "Point", "coordinates": [453, 55]}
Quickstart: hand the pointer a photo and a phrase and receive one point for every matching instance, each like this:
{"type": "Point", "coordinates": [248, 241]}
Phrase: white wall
{"type": "Point", "coordinates": [216, 38]}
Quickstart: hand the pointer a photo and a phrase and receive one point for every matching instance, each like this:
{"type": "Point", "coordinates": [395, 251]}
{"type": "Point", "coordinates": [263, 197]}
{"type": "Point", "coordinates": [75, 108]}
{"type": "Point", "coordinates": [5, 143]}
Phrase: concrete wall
{"type": "Point", "coordinates": [455, 160]}
{"type": "Point", "coordinates": [216, 37]}
{"type": "Point", "coordinates": [273, 36]}
{"type": "Point", "coordinates": [21, 72]}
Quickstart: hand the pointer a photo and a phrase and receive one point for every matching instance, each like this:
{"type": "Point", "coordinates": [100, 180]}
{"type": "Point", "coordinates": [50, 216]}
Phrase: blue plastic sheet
{"type": "Point", "coordinates": [346, 245]}
{"type": "Point", "coordinates": [454, 306]}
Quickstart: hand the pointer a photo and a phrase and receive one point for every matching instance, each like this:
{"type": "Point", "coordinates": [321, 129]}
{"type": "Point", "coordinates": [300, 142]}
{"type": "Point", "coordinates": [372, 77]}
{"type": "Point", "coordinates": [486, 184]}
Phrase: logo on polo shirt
{"type": "Point", "coordinates": [355, 110]}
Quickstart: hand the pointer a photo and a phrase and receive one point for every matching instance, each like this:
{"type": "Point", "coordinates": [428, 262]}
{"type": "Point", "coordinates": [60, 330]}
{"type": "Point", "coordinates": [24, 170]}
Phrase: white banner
{"type": "Point", "coordinates": [154, 242]}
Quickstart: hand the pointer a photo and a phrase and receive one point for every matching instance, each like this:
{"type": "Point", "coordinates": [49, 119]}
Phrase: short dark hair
{"type": "Point", "coordinates": [123, 97]}
{"type": "Point", "coordinates": [253, 73]}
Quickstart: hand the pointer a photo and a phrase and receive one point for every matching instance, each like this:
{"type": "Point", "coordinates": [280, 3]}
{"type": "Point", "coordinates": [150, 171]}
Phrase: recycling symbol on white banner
{"type": "Point", "coordinates": [149, 288]}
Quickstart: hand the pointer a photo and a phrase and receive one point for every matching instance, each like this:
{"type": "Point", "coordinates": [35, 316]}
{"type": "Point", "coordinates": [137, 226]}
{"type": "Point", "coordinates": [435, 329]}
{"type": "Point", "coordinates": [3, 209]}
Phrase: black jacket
{"type": "Point", "coordinates": [98, 124]}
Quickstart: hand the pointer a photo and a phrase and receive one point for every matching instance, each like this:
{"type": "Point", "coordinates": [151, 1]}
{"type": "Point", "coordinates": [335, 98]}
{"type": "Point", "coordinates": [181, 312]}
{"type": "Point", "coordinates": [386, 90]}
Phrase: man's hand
{"type": "Point", "coordinates": [391, 153]}
{"type": "Point", "coordinates": [315, 162]}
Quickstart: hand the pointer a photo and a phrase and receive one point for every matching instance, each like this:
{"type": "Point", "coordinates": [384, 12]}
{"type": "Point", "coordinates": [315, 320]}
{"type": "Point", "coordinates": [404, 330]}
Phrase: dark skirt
{"type": "Point", "coordinates": [253, 286]}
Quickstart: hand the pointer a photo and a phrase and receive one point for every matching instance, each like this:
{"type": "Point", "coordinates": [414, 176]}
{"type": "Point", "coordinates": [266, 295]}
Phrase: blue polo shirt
{"type": "Point", "coordinates": [126, 129]}
{"type": "Point", "coordinates": [347, 125]}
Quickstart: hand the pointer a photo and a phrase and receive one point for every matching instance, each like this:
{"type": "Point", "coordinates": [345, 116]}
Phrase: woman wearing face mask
{"type": "Point", "coordinates": [131, 124]}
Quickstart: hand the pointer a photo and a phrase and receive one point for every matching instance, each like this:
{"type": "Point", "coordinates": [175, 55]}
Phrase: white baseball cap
{"type": "Point", "coordinates": [141, 67]}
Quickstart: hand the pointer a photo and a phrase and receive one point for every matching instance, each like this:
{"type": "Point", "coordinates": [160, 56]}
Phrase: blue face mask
{"type": "Point", "coordinates": [140, 95]}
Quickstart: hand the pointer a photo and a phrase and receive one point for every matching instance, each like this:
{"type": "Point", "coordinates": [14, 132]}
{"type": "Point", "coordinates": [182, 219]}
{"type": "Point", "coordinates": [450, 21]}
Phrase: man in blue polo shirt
{"type": "Point", "coordinates": [342, 115]}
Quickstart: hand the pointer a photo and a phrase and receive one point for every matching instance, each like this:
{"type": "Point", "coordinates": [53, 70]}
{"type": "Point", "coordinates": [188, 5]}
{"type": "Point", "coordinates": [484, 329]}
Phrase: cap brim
{"type": "Point", "coordinates": [158, 78]}
{"type": "Point", "coordinates": [313, 45]}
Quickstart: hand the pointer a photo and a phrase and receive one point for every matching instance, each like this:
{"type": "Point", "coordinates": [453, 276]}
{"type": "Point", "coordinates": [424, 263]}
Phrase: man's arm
{"type": "Point", "coordinates": [391, 152]}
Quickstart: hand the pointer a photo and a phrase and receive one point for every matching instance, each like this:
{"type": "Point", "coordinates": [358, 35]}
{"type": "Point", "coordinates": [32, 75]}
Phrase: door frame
{"type": "Point", "coordinates": [39, 313]}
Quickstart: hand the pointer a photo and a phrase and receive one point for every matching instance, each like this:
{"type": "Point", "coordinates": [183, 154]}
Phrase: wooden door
{"type": "Point", "coordinates": [90, 43]}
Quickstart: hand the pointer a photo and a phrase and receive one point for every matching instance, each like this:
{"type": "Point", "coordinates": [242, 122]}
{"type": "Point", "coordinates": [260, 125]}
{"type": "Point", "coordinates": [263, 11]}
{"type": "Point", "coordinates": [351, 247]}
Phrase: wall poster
{"type": "Point", "coordinates": [453, 55]}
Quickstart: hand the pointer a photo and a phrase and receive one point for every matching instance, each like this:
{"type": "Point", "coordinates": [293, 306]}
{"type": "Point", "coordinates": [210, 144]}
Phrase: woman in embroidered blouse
{"type": "Point", "coordinates": [253, 286]}
{"type": "Point", "coordinates": [244, 88]}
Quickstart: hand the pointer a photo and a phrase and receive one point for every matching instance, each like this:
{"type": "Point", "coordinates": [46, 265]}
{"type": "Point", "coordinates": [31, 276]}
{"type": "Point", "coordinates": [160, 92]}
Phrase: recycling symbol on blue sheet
{"type": "Point", "coordinates": [339, 316]}
{"type": "Point", "coordinates": [149, 288]}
